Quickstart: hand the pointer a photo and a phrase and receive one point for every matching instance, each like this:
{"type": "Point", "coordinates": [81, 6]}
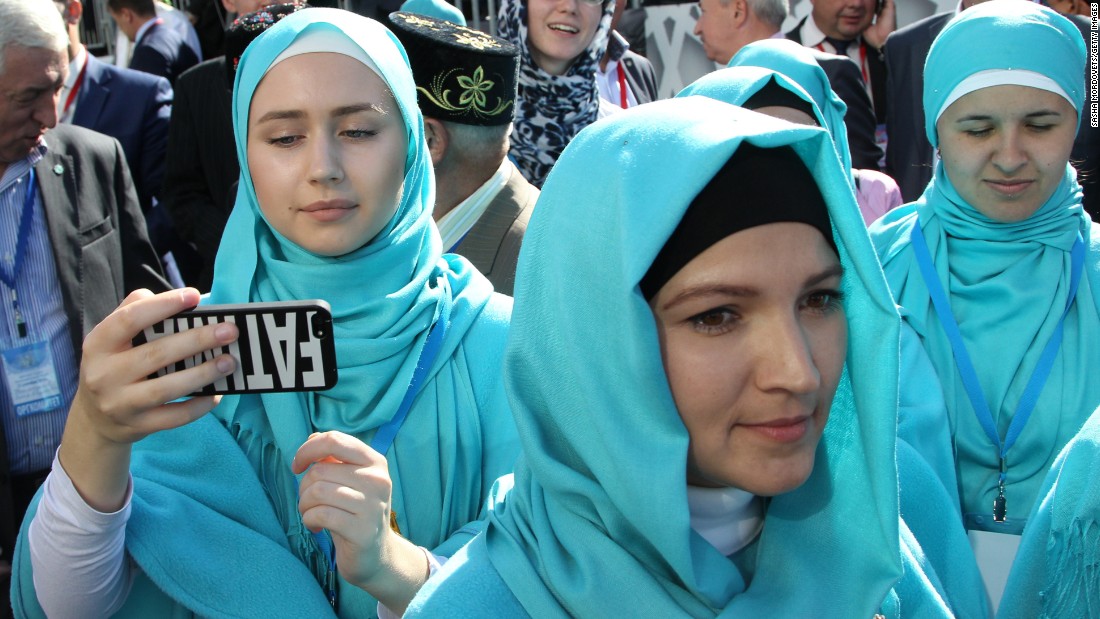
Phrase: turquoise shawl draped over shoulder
{"type": "Point", "coordinates": [215, 525]}
{"type": "Point", "coordinates": [1057, 569]}
{"type": "Point", "coordinates": [1007, 282]}
{"type": "Point", "coordinates": [797, 64]}
{"type": "Point", "coordinates": [597, 523]}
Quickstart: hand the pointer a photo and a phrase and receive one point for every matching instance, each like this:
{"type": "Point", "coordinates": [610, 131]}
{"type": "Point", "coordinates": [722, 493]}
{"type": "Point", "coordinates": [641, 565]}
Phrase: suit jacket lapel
{"type": "Point", "coordinates": [57, 187]}
{"type": "Point", "coordinates": [92, 95]}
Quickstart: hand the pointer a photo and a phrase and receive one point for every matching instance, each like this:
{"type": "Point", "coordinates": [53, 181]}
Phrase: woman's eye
{"type": "Point", "coordinates": [717, 320]}
{"type": "Point", "coordinates": [1040, 128]}
{"type": "Point", "coordinates": [284, 140]}
{"type": "Point", "coordinates": [824, 301]}
{"type": "Point", "coordinates": [978, 133]}
{"type": "Point", "coordinates": [358, 134]}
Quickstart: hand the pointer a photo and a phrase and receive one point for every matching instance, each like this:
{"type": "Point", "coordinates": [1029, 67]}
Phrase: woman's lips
{"type": "Point", "coordinates": [787, 430]}
{"type": "Point", "coordinates": [329, 210]}
{"type": "Point", "coordinates": [1009, 188]}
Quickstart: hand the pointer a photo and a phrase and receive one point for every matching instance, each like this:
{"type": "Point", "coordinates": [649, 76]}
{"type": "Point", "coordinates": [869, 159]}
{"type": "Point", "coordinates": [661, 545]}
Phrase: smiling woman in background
{"type": "Point", "coordinates": [561, 43]}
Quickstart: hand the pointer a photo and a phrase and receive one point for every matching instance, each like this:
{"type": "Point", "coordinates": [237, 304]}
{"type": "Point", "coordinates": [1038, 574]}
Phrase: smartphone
{"type": "Point", "coordinates": [283, 346]}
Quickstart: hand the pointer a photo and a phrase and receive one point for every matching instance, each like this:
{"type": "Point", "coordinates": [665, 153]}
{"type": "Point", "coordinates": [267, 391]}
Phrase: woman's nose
{"type": "Point", "coordinates": [326, 165]}
{"type": "Point", "coordinates": [785, 361]}
{"type": "Point", "coordinates": [1010, 154]}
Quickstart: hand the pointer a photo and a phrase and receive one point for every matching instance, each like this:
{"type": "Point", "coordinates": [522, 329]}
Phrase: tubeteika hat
{"type": "Point", "coordinates": [462, 75]}
{"type": "Point", "coordinates": [247, 27]}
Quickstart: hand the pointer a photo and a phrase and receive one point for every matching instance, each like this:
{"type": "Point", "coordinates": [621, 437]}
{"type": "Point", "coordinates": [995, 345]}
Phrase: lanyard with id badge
{"type": "Point", "coordinates": [995, 539]}
{"type": "Point", "coordinates": [29, 369]}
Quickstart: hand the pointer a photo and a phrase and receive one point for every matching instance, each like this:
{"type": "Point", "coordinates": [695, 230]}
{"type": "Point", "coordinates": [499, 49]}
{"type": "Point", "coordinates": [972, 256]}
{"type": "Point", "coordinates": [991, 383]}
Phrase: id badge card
{"type": "Point", "coordinates": [995, 553]}
{"type": "Point", "coordinates": [32, 379]}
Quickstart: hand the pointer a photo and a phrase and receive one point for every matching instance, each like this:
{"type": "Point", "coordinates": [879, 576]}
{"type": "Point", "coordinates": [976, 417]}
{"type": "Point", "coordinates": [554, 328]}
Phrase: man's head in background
{"type": "Point", "coordinates": [466, 85]}
{"type": "Point", "coordinates": [725, 26]}
{"type": "Point", "coordinates": [33, 66]}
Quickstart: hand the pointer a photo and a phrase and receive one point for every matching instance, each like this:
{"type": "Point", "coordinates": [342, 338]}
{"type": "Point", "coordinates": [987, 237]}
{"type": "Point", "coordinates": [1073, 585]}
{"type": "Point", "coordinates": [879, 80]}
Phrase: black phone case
{"type": "Point", "coordinates": [283, 346]}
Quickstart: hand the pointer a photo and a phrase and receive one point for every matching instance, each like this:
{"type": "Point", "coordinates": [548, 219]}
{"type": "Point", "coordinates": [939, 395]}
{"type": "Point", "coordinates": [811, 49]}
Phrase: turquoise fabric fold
{"type": "Point", "coordinates": [1007, 282]}
{"type": "Point", "coordinates": [458, 436]}
{"type": "Point", "coordinates": [597, 522]}
{"type": "Point", "coordinates": [1057, 569]}
{"type": "Point", "coordinates": [797, 63]}
{"type": "Point", "coordinates": [435, 8]}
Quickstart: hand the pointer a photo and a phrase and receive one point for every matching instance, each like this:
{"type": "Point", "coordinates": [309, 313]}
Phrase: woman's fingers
{"type": "Point", "coordinates": [115, 389]}
{"type": "Point", "coordinates": [335, 446]}
{"type": "Point", "coordinates": [139, 310]}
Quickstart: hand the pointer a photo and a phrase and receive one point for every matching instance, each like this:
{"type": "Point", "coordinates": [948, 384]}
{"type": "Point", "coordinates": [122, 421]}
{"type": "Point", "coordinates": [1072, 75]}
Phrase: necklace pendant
{"type": "Point", "coordinates": [1000, 508]}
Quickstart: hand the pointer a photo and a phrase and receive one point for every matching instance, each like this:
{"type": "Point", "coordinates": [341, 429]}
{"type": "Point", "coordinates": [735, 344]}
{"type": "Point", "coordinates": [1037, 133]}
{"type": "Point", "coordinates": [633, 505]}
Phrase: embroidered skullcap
{"type": "Point", "coordinates": [247, 27]}
{"type": "Point", "coordinates": [462, 75]}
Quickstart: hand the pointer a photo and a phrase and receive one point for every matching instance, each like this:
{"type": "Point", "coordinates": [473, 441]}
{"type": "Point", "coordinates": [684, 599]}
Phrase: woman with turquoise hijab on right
{"type": "Point", "coordinates": [703, 433]}
{"type": "Point", "coordinates": [996, 265]}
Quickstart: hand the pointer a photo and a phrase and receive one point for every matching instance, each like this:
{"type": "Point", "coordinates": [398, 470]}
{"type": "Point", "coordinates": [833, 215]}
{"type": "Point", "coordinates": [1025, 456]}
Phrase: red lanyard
{"type": "Point", "coordinates": [863, 67]}
{"type": "Point", "coordinates": [76, 86]}
{"type": "Point", "coordinates": [622, 85]}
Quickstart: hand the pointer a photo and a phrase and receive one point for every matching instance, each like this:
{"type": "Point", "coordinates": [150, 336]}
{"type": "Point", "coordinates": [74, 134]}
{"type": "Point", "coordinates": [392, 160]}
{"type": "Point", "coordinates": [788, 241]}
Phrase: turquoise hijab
{"type": "Point", "coordinates": [1008, 282]}
{"type": "Point", "coordinates": [797, 63]}
{"type": "Point", "coordinates": [597, 522]}
{"type": "Point", "coordinates": [215, 528]}
{"type": "Point", "coordinates": [384, 296]}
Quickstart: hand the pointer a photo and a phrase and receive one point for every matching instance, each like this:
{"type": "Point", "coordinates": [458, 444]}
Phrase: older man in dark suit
{"type": "Point", "coordinates": [466, 88]}
{"type": "Point", "coordinates": [72, 244]}
{"type": "Point", "coordinates": [157, 49]}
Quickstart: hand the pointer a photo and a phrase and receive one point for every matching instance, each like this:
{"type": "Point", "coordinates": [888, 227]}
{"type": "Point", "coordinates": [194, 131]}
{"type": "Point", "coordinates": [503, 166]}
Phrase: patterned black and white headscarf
{"type": "Point", "coordinates": [550, 109]}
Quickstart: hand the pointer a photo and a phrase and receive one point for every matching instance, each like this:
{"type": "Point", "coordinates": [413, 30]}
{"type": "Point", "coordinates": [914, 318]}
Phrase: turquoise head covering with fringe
{"type": "Point", "coordinates": [1057, 572]}
{"type": "Point", "coordinates": [1008, 282]}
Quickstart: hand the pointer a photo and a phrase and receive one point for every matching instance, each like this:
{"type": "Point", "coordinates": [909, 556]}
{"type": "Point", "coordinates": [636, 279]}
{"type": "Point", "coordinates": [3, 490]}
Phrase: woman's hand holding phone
{"type": "Point", "coordinates": [347, 490]}
{"type": "Point", "coordinates": [116, 404]}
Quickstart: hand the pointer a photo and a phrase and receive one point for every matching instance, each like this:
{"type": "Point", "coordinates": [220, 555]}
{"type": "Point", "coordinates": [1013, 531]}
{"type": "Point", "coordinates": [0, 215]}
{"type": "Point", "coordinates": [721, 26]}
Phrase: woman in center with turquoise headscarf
{"type": "Point", "coordinates": [703, 434]}
{"type": "Point", "coordinates": [272, 504]}
{"type": "Point", "coordinates": [996, 265]}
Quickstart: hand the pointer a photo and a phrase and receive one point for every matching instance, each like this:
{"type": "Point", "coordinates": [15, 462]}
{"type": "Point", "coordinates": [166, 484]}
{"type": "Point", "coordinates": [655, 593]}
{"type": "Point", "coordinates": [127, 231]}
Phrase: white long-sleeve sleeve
{"type": "Point", "coordinates": [81, 568]}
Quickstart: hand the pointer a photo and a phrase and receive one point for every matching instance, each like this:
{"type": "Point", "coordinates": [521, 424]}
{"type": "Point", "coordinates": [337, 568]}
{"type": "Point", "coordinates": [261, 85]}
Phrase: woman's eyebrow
{"type": "Point", "coordinates": [706, 290]}
{"type": "Point", "coordinates": [344, 110]}
{"type": "Point", "coordinates": [1035, 114]}
{"type": "Point", "coordinates": [836, 270]}
{"type": "Point", "coordinates": [355, 108]}
{"type": "Point", "coordinates": [280, 115]}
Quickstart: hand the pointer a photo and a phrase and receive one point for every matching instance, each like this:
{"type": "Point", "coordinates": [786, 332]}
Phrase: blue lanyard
{"type": "Point", "coordinates": [20, 251]}
{"type": "Point", "coordinates": [383, 438]}
{"type": "Point", "coordinates": [966, 368]}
